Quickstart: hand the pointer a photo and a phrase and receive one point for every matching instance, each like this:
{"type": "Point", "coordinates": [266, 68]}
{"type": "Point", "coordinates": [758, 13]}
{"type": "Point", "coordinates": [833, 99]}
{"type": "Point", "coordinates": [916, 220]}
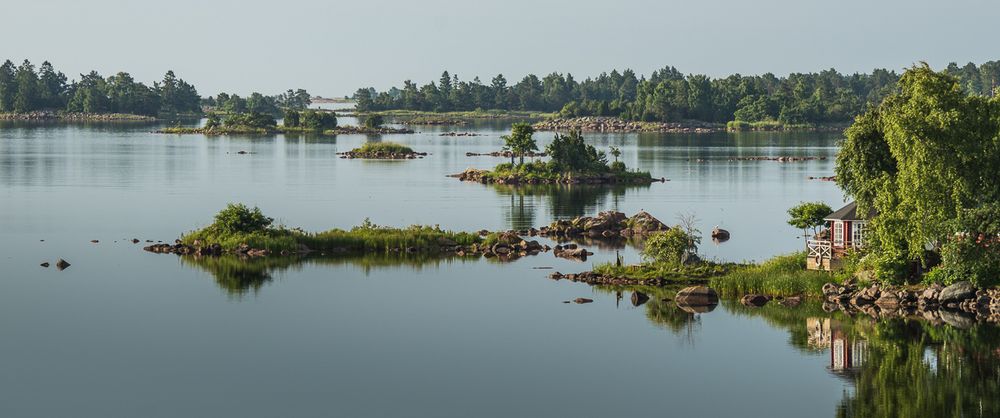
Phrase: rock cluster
{"type": "Point", "coordinates": [959, 304]}
{"type": "Point", "coordinates": [75, 116]}
{"type": "Point", "coordinates": [487, 177]}
{"type": "Point", "coordinates": [592, 278]}
{"type": "Point", "coordinates": [460, 134]}
{"type": "Point", "coordinates": [697, 299]}
{"type": "Point", "coordinates": [607, 224]}
{"type": "Point", "coordinates": [606, 124]}
{"type": "Point", "coordinates": [382, 155]}
{"type": "Point", "coordinates": [505, 154]}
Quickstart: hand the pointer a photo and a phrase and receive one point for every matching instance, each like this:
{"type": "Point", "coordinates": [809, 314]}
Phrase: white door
{"type": "Point", "coordinates": [838, 233]}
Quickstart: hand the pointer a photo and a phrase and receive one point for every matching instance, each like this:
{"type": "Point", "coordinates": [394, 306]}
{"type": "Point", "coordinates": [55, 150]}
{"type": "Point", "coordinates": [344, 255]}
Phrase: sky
{"type": "Point", "coordinates": [333, 47]}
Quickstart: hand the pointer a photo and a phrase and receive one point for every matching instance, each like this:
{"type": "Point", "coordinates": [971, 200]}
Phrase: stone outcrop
{"type": "Point", "coordinates": [697, 296]}
{"type": "Point", "coordinates": [959, 304]}
{"type": "Point", "coordinates": [607, 224]}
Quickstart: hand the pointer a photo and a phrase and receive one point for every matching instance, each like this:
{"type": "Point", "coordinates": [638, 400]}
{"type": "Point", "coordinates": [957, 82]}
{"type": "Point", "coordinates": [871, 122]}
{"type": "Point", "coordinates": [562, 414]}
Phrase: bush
{"type": "Point", "coordinates": [318, 121]}
{"type": "Point", "coordinates": [382, 148]}
{"type": "Point", "coordinates": [669, 247]}
{"type": "Point", "coordinates": [374, 121]}
{"type": "Point", "coordinates": [617, 167]}
{"type": "Point", "coordinates": [570, 153]}
{"type": "Point", "coordinates": [250, 120]}
{"type": "Point", "coordinates": [240, 219]}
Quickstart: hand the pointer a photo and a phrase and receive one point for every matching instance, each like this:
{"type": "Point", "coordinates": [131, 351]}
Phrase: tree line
{"type": "Point", "coordinates": [298, 99]}
{"type": "Point", "coordinates": [668, 95]}
{"type": "Point", "coordinates": [25, 89]}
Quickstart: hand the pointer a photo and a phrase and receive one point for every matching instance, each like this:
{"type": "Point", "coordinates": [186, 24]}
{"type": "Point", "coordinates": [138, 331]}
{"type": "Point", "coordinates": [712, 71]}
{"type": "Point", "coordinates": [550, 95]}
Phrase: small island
{"type": "Point", "coordinates": [246, 232]}
{"type": "Point", "coordinates": [382, 151]}
{"type": "Point", "coordinates": [572, 161]}
{"type": "Point", "coordinates": [306, 121]}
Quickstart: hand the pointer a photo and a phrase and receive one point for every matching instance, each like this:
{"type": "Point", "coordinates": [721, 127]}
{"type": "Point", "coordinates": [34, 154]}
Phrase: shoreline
{"type": "Point", "coordinates": [76, 117]}
{"type": "Point", "coordinates": [341, 130]}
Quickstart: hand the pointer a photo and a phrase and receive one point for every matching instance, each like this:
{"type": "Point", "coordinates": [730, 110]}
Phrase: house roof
{"type": "Point", "coordinates": [848, 213]}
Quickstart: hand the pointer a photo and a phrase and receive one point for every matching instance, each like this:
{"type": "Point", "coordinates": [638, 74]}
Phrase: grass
{"type": "Point", "coordinates": [382, 148]}
{"type": "Point", "coordinates": [771, 125]}
{"type": "Point", "coordinates": [541, 171]}
{"type": "Point", "coordinates": [364, 239]}
{"type": "Point", "coordinates": [784, 275]}
{"type": "Point", "coordinates": [681, 274]}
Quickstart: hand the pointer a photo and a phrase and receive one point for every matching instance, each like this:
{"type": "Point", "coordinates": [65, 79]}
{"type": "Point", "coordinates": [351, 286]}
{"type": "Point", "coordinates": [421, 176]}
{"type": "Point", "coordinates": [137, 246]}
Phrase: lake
{"type": "Point", "coordinates": [123, 332]}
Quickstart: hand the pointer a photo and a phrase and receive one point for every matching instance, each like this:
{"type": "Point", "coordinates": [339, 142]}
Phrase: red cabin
{"type": "Point", "coordinates": [845, 229]}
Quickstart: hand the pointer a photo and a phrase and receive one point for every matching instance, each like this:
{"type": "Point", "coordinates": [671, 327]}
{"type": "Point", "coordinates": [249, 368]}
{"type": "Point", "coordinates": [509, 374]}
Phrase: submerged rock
{"type": "Point", "coordinates": [697, 296]}
{"type": "Point", "coordinates": [755, 300]}
{"type": "Point", "coordinates": [62, 264]}
{"type": "Point", "coordinates": [639, 298]}
{"type": "Point", "coordinates": [582, 300]}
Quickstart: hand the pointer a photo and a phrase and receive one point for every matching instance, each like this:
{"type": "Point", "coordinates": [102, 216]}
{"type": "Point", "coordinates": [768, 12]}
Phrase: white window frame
{"type": "Point", "coordinates": [838, 233]}
{"type": "Point", "coordinates": [858, 234]}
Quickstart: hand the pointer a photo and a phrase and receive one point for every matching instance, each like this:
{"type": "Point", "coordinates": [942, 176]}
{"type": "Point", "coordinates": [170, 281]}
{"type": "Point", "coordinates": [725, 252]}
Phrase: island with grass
{"type": "Point", "coordinates": [571, 161]}
{"type": "Point", "coordinates": [316, 122]}
{"type": "Point", "coordinates": [246, 232]}
{"type": "Point", "coordinates": [382, 151]}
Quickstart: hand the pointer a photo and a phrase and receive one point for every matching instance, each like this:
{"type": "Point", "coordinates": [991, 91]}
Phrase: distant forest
{"type": "Point", "coordinates": [25, 89]}
{"type": "Point", "coordinates": [668, 95]}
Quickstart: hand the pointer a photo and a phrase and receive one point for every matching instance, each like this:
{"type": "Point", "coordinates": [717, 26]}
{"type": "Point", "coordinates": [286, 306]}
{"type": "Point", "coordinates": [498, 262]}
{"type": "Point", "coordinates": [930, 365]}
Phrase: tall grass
{"type": "Point", "coordinates": [367, 238]}
{"type": "Point", "coordinates": [784, 275]}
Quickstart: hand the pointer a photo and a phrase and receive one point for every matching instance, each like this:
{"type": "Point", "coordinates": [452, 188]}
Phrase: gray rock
{"type": "Point", "coordinates": [697, 296]}
{"type": "Point", "coordinates": [62, 264]}
{"type": "Point", "coordinates": [957, 292]}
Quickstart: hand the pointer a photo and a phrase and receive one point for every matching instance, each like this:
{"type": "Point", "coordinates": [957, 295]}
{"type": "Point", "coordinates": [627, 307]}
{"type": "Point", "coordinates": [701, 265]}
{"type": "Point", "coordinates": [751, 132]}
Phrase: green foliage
{"type": "Point", "coordinates": [671, 247]}
{"type": "Point", "coordinates": [240, 219]}
{"type": "Point", "coordinates": [318, 121]}
{"type": "Point", "coordinates": [250, 121]}
{"type": "Point", "coordinates": [570, 153]}
{"type": "Point", "coordinates": [237, 225]}
{"type": "Point", "coordinates": [374, 121]}
{"type": "Point", "coordinates": [668, 95]}
{"type": "Point", "coordinates": [212, 121]}
{"type": "Point", "coordinates": [382, 148]}
{"type": "Point", "coordinates": [973, 253]}
{"type": "Point", "coordinates": [808, 215]}
{"type": "Point", "coordinates": [926, 155]}
{"type": "Point", "coordinates": [780, 276]}
{"type": "Point", "coordinates": [291, 118]}
{"type": "Point", "coordinates": [23, 89]}
{"type": "Point", "coordinates": [520, 141]}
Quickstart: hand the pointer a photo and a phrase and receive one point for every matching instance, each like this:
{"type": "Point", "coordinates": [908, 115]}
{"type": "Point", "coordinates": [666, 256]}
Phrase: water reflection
{"type": "Point", "coordinates": [240, 276]}
{"type": "Point", "coordinates": [564, 201]}
{"type": "Point", "coordinates": [897, 367]}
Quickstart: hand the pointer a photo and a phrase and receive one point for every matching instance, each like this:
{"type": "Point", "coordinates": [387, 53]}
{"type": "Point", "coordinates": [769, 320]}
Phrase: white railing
{"type": "Point", "coordinates": [820, 250]}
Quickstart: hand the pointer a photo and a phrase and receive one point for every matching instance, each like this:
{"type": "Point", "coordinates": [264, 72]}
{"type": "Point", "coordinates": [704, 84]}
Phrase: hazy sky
{"type": "Point", "coordinates": [333, 47]}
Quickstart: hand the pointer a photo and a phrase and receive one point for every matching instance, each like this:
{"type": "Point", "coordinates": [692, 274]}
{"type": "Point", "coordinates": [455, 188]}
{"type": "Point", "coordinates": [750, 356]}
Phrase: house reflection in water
{"type": "Point", "coordinates": [847, 353]}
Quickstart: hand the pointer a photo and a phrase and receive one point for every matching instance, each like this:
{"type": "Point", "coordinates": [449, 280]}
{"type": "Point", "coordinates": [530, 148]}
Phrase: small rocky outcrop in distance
{"type": "Point", "coordinates": [606, 224]}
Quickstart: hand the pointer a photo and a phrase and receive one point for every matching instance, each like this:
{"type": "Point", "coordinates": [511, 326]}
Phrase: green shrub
{"type": "Point", "coordinates": [669, 247]}
{"type": "Point", "coordinates": [382, 148]}
{"type": "Point", "coordinates": [374, 121]}
{"type": "Point", "coordinates": [240, 219]}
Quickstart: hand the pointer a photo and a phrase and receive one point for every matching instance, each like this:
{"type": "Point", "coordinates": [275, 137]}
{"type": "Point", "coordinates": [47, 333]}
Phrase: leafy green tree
{"type": "Point", "coordinates": [51, 86]}
{"type": "Point", "coordinates": [26, 98]}
{"type": "Point", "coordinates": [809, 215]}
{"type": "Point", "coordinates": [318, 121]}
{"type": "Point", "coordinates": [8, 86]}
{"type": "Point", "coordinates": [374, 121]}
{"type": "Point", "coordinates": [291, 118]}
{"type": "Point", "coordinates": [520, 141]}
{"type": "Point", "coordinates": [90, 94]}
{"type": "Point", "coordinates": [922, 159]}
{"type": "Point", "coordinates": [570, 153]}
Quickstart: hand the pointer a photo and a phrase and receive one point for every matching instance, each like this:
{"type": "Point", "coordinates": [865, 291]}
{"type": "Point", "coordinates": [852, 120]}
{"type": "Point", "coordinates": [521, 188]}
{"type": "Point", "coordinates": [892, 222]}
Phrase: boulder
{"type": "Point", "coordinates": [45, 264]}
{"type": "Point", "coordinates": [697, 296]}
{"type": "Point", "coordinates": [582, 300]}
{"type": "Point", "coordinates": [62, 264]}
{"type": "Point", "coordinates": [957, 292]}
{"type": "Point", "coordinates": [720, 234]}
{"type": "Point", "coordinates": [639, 298]}
{"type": "Point", "coordinates": [755, 300]}
{"type": "Point", "coordinates": [644, 223]}
{"type": "Point", "coordinates": [791, 302]}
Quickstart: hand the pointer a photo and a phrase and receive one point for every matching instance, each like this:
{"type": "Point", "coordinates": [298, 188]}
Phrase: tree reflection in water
{"type": "Point", "coordinates": [564, 201]}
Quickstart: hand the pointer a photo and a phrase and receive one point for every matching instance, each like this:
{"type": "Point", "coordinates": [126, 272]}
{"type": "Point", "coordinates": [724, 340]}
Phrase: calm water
{"type": "Point", "coordinates": [127, 333]}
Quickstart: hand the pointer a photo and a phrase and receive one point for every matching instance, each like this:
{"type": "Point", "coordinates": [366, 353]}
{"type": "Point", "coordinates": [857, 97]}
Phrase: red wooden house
{"type": "Point", "coordinates": [845, 230]}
